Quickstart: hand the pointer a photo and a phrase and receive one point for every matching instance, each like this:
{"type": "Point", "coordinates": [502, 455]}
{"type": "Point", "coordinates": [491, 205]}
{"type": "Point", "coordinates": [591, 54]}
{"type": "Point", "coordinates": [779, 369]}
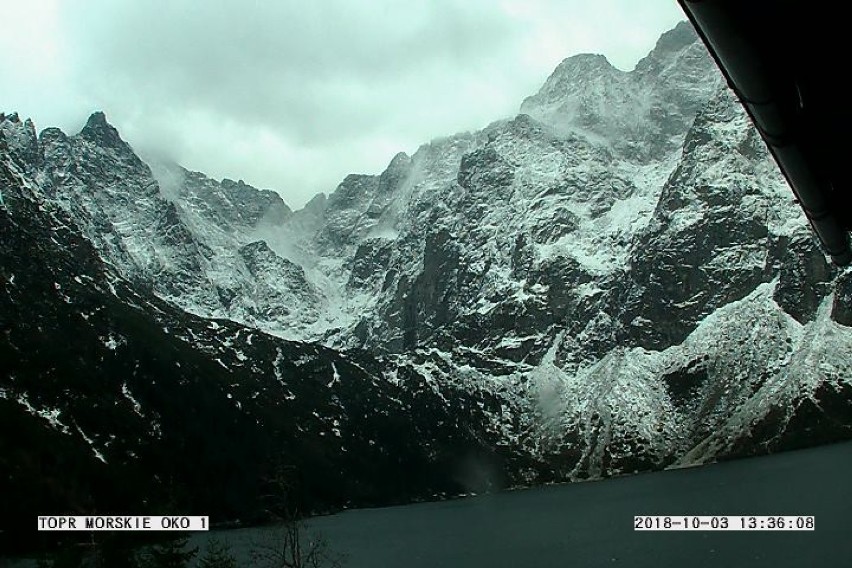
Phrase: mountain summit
{"type": "Point", "coordinates": [643, 113]}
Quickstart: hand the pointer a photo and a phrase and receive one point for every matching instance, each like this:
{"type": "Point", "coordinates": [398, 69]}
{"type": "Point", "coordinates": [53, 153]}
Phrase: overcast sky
{"type": "Point", "coordinates": [293, 95]}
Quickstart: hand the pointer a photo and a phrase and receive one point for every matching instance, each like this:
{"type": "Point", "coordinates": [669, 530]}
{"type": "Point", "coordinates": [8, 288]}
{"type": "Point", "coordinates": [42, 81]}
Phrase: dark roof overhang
{"type": "Point", "coordinates": [787, 61]}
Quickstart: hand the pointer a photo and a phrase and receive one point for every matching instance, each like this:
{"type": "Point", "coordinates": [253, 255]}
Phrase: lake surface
{"type": "Point", "coordinates": [591, 524]}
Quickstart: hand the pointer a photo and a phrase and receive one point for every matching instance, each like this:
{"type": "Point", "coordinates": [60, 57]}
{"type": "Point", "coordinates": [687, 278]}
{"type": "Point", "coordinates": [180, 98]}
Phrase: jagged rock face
{"type": "Point", "coordinates": [19, 140]}
{"type": "Point", "coordinates": [642, 114]}
{"type": "Point", "coordinates": [177, 232]}
{"type": "Point", "coordinates": [116, 399]}
{"type": "Point", "coordinates": [841, 310]}
{"type": "Point", "coordinates": [499, 239]}
{"type": "Point", "coordinates": [619, 274]}
{"type": "Point", "coordinates": [716, 231]}
{"type": "Point", "coordinates": [572, 260]}
{"type": "Point", "coordinates": [109, 192]}
{"type": "Point", "coordinates": [804, 279]}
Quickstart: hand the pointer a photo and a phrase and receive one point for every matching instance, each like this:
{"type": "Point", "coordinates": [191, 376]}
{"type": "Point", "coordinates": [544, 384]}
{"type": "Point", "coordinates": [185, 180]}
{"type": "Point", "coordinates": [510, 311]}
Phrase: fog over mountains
{"type": "Point", "coordinates": [616, 279]}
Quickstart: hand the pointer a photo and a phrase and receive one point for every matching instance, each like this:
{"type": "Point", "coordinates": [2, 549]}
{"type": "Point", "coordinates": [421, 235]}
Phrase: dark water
{"type": "Point", "coordinates": [590, 524]}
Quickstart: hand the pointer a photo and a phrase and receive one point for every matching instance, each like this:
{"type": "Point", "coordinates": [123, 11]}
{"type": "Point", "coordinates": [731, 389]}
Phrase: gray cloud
{"type": "Point", "coordinates": [294, 95]}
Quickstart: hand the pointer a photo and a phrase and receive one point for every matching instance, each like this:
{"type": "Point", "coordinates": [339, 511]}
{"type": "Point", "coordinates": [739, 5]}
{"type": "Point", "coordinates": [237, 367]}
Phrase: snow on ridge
{"type": "Point", "coordinates": [51, 415]}
{"type": "Point", "coordinates": [97, 453]}
{"type": "Point", "coordinates": [335, 376]}
{"type": "Point", "coordinates": [137, 407]}
{"type": "Point", "coordinates": [754, 353]}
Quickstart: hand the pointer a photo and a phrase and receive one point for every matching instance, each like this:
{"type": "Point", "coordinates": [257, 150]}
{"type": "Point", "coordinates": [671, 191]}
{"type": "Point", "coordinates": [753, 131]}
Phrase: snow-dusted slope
{"type": "Point", "coordinates": [641, 114]}
{"type": "Point", "coordinates": [494, 239]}
{"type": "Point", "coordinates": [749, 379]}
{"type": "Point", "coordinates": [622, 264]}
{"type": "Point", "coordinates": [113, 399]}
{"type": "Point", "coordinates": [192, 240]}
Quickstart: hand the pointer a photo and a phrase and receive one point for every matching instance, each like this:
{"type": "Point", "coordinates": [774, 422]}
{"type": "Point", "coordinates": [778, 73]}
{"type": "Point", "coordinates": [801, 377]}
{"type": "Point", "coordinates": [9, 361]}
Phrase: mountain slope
{"type": "Point", "coordinates": [113, 400]}
{"type": "Point", "coordinates": [176, 232]}
{"type": "Point", "coordinates": [572, 260]}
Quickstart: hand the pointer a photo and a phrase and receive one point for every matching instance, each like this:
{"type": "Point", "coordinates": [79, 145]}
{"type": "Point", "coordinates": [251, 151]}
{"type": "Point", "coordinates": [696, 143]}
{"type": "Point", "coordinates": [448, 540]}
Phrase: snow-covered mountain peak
{"type": "Point", "coordinates": [400, 161]}
{"type": "Point", "coordinates": [98, 130]}
{"type": "Point", "coordinates": [19, 138]}
{"type": "Point", "coordinates": [641, 114]}
{"type": "Point", "coordinates": [670, 45]}
{"type": "Point", "coordinates": [580, 66]}
{"type": "Point", "coordinates": [575, 96]}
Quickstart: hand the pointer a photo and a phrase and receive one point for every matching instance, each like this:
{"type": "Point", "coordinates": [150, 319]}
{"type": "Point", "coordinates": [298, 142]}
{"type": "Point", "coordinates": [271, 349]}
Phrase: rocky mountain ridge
{"type": "Point", "coordinates": [113, 399]}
